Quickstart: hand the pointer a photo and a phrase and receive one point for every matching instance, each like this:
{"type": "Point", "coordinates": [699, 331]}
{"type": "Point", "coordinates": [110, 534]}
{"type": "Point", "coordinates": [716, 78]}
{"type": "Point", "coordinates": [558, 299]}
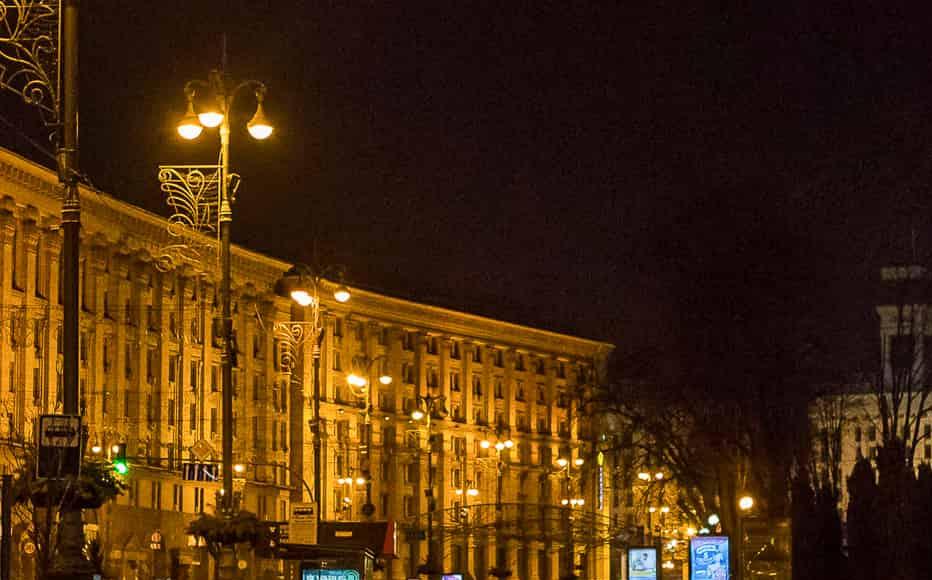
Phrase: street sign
{"type": "Point", "coordinates": [302, 526]}
{"type": "Point", "coordinates": [59, 446]}
{"type": "Point", "coordinates": [200, 471]}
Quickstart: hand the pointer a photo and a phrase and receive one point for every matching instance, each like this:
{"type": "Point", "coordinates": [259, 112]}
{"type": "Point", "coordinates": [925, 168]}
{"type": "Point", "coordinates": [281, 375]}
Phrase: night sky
{"type": "Point", "coordinates": [682, 175]}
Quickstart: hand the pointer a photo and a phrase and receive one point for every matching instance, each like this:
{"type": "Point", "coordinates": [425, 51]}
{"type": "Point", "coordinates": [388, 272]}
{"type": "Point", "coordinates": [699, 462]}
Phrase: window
{"type": "Point", "coordinates": [519, 391]}
{"type": "Point", "coordinates": [539, 366]}
{"type": "Point", "coordinates": [359, 332]}
{"type": "Point", "coordinates": [383, 336]}
{"type": "Point", "coordinates": [543, 426]}
{"type": "Point", "coordinates": [213, 420]}
{"type": "Point", "coordinates": [477, 354]}
{"type": "Point", "coordinates": [173, 361]}
{"type": "Point", "coordinates": [170, 411]}
{"type": "Point", "coordinates": [199, 500]}
{"type": "Point", "coordinates": [541, 395]}
{"type": "Point", "coordinates": [13, 375]}
{"type": "Point", "coordinates": [457, 412]}
{"type": "Point", "coordinates": [407, 373]}
{"type": "Point", "coordinates": [338, 327]}
{"type": "Point", "coordinates": [214, 378]}
{"type": "Point", "coordinates": [455, 350]}
{"type": "Point", "coordinates": [519, 362]}
{"type": "Point", "coordinates": [872, 433]}
{"type": "Point", "coordinates": [194, 382]}
{"type": "Point", "coordinates": [433, 381]}
{"type": "Point", "coordinates": [499, 358]}
{"type": "Point", "coordinates": [432, 345]}
{"type": "Point", "coordinates": [256, 442]}
{"type": "Point", "coordinates": [455, 381]}
{"type": "Point", "coordinates": [410, 506]}
{"type": "Point", "coordinates": [499, 388]}
{"type": "Point", "coordinates": [407, 341]}
{"type": "Point", "coordinates": [477, 386]}
{"type": "Point", "coordinates": [337, 361]}
{"type": "Point", "coordinates": [177, 498]}
{"type": "Point", "coordinates": [478, 416]}
{"type": "Point", "coordinates": [258, 385]}
{"type": "Point", "coordinates": [857, 434]}
{"type": "Point", "coordinates": [192, 416]}
{"type": "Point", "coordinates": [156, 495]}
{"type": "Point", "coordinates": [152, 365]}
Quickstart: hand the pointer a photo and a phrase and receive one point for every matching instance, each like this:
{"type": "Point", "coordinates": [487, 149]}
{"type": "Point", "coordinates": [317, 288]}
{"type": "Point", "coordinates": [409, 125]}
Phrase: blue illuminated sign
{"type": "Point", "coordinates": [329, 575]}
{"type": "Point", "coordinates": [642, 564]}
{"type": "Point", "coordinates": [708, 558]}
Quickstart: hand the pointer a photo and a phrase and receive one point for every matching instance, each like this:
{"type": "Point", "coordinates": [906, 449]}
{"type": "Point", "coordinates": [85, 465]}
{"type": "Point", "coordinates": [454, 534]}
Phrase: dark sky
{"type": "Point", "coordinates": [678, 173]}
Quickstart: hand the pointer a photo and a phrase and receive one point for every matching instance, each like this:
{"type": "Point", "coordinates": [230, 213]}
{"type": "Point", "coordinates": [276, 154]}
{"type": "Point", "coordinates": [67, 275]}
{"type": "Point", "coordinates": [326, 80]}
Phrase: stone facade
{"type": "Point", "coordinates": [150, 377]}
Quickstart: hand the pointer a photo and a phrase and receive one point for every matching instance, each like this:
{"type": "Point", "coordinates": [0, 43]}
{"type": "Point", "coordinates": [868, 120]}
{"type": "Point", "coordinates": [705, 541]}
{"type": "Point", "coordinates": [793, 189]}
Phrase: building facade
{"type": "Point", "coordinates": [150, 378]}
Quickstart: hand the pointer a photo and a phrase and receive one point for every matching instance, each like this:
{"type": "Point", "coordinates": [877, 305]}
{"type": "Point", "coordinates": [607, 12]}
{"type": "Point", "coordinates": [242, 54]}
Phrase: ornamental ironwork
{"type": "Point", "coordinates": [192, 192]}
{"type": "Point", "coordinates": [29, 53]}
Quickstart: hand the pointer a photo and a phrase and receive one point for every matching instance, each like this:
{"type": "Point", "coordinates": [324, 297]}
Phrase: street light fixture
{"type": "Point", "coordinates": [302, 283]}
{"type": "Point", "coordinates": [219, 85]}
{"type": "Point", "coordinates": [360, 382]}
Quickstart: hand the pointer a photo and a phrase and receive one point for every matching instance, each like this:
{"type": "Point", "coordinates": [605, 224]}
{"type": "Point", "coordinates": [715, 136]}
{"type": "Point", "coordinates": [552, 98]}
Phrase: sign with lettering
{"type": "Point", "coordinates": [708, 558]}
{"type": "Point", "coordinates": [302, 526]}
{"type": "Point", "coordinates": [59, 446]}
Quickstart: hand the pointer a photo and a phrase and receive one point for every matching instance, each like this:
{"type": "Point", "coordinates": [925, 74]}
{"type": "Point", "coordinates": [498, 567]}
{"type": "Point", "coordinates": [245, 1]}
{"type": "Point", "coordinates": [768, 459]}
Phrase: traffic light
{"type": "Point", "coordinates": [118, 458]}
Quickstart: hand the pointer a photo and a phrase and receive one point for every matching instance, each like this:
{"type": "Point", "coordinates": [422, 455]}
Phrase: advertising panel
{"type": "Point", "coordinates": [708, 558]}
{"type": "Point", "coordinates": [642, 563]}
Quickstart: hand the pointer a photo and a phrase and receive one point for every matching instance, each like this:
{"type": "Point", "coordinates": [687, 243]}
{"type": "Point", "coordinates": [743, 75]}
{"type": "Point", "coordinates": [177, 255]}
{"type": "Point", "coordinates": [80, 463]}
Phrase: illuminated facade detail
{"type": "Point", "coordinates": [150, 377]}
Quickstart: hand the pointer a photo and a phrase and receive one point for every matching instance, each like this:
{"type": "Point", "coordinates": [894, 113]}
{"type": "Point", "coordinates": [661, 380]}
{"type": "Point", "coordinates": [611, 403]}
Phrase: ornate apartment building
{"type": "Point", "coordinates": [150, 378]}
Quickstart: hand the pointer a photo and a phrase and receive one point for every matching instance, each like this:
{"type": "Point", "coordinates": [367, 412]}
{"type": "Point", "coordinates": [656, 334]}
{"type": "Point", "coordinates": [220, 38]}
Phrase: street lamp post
{"type": "Point", "coordinates": [427, 406]}
{"type": "Point", "coordinates": [222, 91]}
{"type": "Point", "coordinates": [361, 384]}
{"type": "Point", "coordinates": [745, 503]}
{"type": "Point", "coordinates": [501, 569]}
{"type": "Point", "coordinates": [564, 469]}
{"type": "Point", "coordinates": [302, 283]}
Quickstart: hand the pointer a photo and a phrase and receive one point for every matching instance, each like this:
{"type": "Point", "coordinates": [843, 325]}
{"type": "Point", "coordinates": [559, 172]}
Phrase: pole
{"type": "Point", "coordinates": [70, 561]}
{"type": "Point", "coordinates": [368, 509]}
{"type": "Point", "coordinates": [226, 324]}
{"type": "Point", "coordinates": [430, 490]}
{"type": "Point", "coordinates": [7, 524]}
{"type": "Point", "coordinates": [316, 429]}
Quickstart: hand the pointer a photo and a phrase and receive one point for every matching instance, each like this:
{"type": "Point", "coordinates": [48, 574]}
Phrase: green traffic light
{"type": "Point", "coordinates": [121, 468]}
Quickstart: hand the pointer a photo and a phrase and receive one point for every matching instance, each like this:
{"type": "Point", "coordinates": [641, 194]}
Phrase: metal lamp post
{"type": "Point", "coordinates": [563, 469]}
{"type": "Point", "coordinates": [427, 406]}
{"type": "Point", "coordinates": [362, 387]}
{"type": "Point", "coordinates": [222, 91]}
{"type": "Point", "coordinates": [39, 57]}
{"type": "Point", "coordinates": [500, 570]}
{"type": "Point", "coordinates": [302, 283]}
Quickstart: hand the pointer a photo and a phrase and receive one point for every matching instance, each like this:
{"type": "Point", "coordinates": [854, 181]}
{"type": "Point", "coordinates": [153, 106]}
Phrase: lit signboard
{"type": "Point", "coordinates": [708, 558]}
{"type": "Point", "coordinates": [329, 575]}
{"type": "Point", "coordinates": [642, 564]}
{"type": "Point", "coordinates": [452, 577]}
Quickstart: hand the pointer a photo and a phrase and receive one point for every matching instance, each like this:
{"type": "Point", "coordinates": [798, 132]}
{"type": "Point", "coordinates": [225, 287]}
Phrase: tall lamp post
{"type": "Point", "coordinates": [427, 406]}
{"type": "Point", "coordinates": [501, 568]}
{"type": "Point", "coordinates": [303, 284]}
{"type": "Point", "coordinates": [361, 384]}
{"type": "Point", "coordinates": [219, 93]}
{"type": "Point", "coordinates": [564, 469]}
{"type": "Point", "coordinates": [745, 504]}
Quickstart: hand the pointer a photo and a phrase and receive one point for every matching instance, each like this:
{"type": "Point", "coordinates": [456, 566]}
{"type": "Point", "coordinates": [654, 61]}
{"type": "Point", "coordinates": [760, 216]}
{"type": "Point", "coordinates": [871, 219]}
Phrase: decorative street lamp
{"type": "Point", "coordinates": [426, 407]}
{"type": "Point", "coordinates": [219, 93]}
{"type": "Point", "coordinates": [564, 469]}
{"type": "Point", "coordinates": [303, 284]}
{"type": "Point", "coordinates": [501, 569]}
{"type": "Point", "coordinates": [39, 61]}
{"type": "Point", "coordinates": [360, 384]}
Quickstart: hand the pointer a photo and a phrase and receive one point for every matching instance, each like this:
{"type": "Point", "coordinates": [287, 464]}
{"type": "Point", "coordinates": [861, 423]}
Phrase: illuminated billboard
{"type": "Point", "coordinates": [642, 564]}
{"type": "Point", "coordinates": [708, 558]}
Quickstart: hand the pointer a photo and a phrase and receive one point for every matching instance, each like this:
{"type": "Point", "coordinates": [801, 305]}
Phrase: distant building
{"type": "Point", "coordinates": [150, 378]}
{"type": "Point", "coordinates": [846, 421]}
